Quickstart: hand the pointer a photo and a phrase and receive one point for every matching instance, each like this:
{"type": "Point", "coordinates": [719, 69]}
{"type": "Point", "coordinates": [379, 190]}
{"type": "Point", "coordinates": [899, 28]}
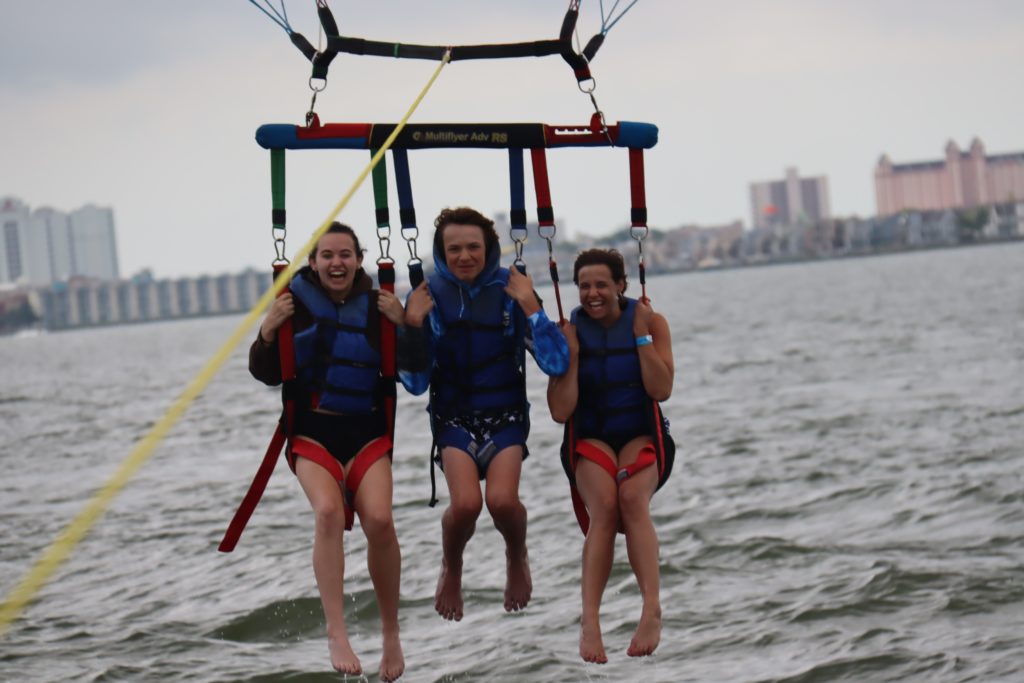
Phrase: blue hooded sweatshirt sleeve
{"type": "Point", "coordinates": [547, 344]}
{"type": "Point", "coordinates": [415, 357]}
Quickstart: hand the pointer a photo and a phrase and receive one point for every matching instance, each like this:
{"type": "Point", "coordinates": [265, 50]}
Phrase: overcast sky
{"type": "Point", "coordinates": [151, 107]}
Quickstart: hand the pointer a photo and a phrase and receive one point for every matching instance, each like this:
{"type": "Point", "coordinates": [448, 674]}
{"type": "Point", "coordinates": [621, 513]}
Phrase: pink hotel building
{"type": "Point", "coordinates": [961, 180]}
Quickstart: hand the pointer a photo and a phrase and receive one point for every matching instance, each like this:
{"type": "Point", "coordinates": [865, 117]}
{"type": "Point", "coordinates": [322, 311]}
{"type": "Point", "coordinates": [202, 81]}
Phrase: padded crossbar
{"type": "Point", "coordinates": [454, 135]}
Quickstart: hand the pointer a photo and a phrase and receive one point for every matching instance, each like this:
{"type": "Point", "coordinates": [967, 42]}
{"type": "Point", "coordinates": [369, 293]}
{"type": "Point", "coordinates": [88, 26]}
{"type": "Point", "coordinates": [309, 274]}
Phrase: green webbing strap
{"type": "Point", "coordinates": [380, 191]}
{"type": "Point", "coordinates": [277, 212]}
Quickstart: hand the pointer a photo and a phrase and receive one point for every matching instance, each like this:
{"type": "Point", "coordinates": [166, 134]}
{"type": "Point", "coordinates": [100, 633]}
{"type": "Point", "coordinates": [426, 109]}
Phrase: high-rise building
{"type": "Point", "coordinates": [961, 180]}
{"type": "Point", "coordinates": [14, 218]}
{"type": "Point", "coordinates": [55, 230]}
{"type": "Point", "coordinates": [790, 201]}
{"type": "Point", "coordinates": [47, 245]}
{"type": "Point", "coordinates": [95, 247]}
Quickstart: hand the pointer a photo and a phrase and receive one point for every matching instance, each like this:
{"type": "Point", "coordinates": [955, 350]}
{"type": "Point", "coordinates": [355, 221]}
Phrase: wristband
{"type": "Point", "coordinates": [644, 340]}
{"type": "Point", "coordinates": [535, 316]}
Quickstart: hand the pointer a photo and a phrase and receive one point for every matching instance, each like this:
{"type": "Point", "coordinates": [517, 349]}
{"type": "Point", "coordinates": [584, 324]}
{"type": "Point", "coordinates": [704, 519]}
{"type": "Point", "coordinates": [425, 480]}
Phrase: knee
{"type": "Point", "coordinates": [604, 511]}
{"type": "Point", "coordinates": [377, 523]}
{"type": "Point", "coordinates": [330, 517]}
{"type": "Point", "coordinates": [503, 506]}
{"type": "Point", "coordinates": [465, 510]}
{"type": "Point", "coordinates": [634, 501]}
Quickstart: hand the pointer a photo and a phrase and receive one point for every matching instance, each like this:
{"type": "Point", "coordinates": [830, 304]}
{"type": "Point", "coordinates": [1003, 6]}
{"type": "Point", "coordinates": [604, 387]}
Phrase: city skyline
{"type": "Point", "coordinates": [121, 113]}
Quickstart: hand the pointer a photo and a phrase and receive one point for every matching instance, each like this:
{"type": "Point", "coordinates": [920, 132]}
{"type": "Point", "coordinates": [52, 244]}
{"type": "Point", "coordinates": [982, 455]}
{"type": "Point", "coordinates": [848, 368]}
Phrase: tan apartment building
{"type": "Point", "coordinates": [960, 180]}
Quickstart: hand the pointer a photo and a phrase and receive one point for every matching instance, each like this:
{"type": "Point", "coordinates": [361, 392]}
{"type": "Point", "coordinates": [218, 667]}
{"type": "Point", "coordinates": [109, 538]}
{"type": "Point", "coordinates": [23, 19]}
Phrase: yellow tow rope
{"type": "Point", "coordinates": [61, 548]}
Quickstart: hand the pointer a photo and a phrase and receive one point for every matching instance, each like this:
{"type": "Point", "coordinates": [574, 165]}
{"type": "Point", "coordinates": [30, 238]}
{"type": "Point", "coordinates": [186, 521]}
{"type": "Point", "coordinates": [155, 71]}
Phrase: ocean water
{"type": "Point", "coordinates": [847, 502]}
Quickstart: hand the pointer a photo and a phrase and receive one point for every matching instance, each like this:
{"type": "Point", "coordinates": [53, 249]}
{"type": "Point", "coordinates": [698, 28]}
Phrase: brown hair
{"type": "Point", "coordinates": [344, 230]}
{"type": "Point", "coordinates": [595, 257]}
{"type": "Point", "coordinates": [463, 215]}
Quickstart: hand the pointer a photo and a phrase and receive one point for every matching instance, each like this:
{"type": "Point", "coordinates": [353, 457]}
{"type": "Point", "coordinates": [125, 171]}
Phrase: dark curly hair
{"type": "Point", "coordinates": [463, 215]}
{"type": "Point", "coordinates": [594, 257]}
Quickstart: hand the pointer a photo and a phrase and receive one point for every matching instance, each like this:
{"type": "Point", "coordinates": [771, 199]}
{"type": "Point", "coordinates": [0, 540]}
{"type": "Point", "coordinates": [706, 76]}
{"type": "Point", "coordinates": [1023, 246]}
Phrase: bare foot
{"type": "Point", "coordinates": [591, 645]}
{"type": "Point", "coordinates": [648, 634]}
{"type": "Point", "coordinates": [448, 596]}
{"type": "Point", "coordinates": [392, 662]}
{"type": "Point", "coordinates": [518, 585]}
{"type": "Point", "coordinates": [343, 659]}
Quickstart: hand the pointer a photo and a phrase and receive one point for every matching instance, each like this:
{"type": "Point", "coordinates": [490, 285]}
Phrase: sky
{"type": "Point", "coordinates": [151, 108]}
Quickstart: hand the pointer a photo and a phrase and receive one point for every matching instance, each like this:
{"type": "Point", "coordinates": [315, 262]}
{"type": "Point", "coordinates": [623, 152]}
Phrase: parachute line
{"type": "Point", "coordinates": [275, 16]}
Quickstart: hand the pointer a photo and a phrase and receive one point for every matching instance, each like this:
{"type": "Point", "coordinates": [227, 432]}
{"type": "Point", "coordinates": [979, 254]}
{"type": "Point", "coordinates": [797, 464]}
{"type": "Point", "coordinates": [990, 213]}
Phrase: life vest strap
{"type": "Point", "coordinates": [255, 492]}
{"type": "Point", "coordinates": [371, 453]}
{"type": "Point", "coordinates": [286, 355]}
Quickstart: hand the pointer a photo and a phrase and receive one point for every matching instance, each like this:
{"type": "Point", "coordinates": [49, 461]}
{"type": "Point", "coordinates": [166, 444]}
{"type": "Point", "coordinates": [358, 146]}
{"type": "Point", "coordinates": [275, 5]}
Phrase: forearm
{"type": "Point", "coordinates": [656, 375]}
{"type": "Point", "coordinates": [657, 366]}
{"type": "Point", "coordinates": [563, 393]}
{"type": "Point", "coordinates": [265, 361]}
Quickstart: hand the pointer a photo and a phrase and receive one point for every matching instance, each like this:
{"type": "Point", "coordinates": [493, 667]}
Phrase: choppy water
{"type": "Point", "coordinates": [847, 505]}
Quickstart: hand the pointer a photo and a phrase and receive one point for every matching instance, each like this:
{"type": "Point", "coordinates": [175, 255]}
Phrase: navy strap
{"type": "Point", "coordinates": [517, 192]}
{"type": "Point", "coordinates": [406, 207]}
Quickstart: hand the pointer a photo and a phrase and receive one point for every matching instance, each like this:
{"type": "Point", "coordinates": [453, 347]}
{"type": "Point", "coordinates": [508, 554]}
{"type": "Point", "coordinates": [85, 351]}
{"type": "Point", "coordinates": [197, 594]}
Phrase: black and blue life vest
{"type": "Point", "coordinates": [477, 358]}
{"type": "Point", "coordinates": [333, 357]}
{"type": "Point", "coordinates": [612, 399]}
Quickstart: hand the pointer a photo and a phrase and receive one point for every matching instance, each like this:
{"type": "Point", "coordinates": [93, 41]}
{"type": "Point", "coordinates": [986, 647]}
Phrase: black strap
{"type": "Point", "coordinates": [433, 481]}
{"type": "Point", "coordinates": [377, 48]}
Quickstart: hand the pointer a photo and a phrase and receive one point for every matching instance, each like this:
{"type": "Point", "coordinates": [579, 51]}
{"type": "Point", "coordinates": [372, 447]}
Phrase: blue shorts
{"type": "Point", "coordinates": [483, 435]}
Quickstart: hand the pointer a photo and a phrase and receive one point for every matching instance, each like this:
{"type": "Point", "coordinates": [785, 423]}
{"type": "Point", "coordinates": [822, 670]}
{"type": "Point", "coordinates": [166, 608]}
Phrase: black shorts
{"type": "Point", "coordinates": [616, 440]}
{"type": "Point", "coordinates": [342, 435]}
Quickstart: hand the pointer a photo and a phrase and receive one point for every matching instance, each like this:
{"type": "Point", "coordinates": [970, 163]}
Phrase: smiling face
{"type": "Point", "coordinates": [464, 251]}
{"type": "Point", "coordinates": [336, 261]}
{"type": "Point", "coordinates": [599, 293]}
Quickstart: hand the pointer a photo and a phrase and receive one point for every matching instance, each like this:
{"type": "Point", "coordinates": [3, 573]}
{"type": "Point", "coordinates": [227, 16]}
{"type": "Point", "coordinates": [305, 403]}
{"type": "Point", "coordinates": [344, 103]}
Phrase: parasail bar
{"type": "Point", "coordinates": [455, 135]}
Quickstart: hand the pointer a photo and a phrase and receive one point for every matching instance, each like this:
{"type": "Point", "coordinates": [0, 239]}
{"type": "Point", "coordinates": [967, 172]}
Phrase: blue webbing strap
{"type": "Point", "coordinates": [407, 212]}
{"type": "Point", "coordinates": [517, 216]}
{"type": "Point", "coordinates": [517, 192]}
{"type": "Point", "coordinates": [406, 208]}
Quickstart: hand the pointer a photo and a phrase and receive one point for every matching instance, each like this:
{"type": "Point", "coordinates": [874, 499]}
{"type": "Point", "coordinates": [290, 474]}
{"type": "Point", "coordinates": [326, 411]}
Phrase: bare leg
{"type": "Point", "coordinates": [509, 517]}
{"type": "Point", "coordinates": [642, 547]}
{"type": "Point", "coordinates": [457, 526]}
{"type": "Point", "coordinates": [600, 495]}
{"type": "Point", "coordinates": [325, 497]}
{"type": "Point", "coordinates": [383, 559]}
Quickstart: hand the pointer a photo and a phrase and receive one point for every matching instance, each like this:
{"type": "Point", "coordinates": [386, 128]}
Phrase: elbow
{"type": "Point", "coordinates": [661, 393]}
{"type": "Point", "coordinates": [560, 417]}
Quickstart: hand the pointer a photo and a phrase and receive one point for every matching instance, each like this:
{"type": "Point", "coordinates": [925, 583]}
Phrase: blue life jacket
{"type": "Point", "coordinates": [612, 398]}
{"type": "Point", "coordinates": [333, 357]}
{"type": "Point", "coordinates": [477, 357]}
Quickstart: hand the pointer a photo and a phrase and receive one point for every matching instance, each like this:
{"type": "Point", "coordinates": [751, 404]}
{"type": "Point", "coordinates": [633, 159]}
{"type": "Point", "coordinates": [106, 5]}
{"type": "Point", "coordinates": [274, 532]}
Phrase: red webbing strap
{"type": "Point", "coordinates": [546, 215]}
{"type": "Point", "coordinates": [638, 215]}
{"type": "Point", "coordinates": [286, 354]}
{"type": "Point", "coordinates": [646, 458]}
{"type": "Point", "coordinates": [371, 453]}
{"type": "Point", "coordinates": [589, 451]}
{"type": "Point", "coordinates": [255, 492]}
{"type": "Point", "coordinates": [578, 508]}
{"type": "Point", "coordinates": [388, 346]}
